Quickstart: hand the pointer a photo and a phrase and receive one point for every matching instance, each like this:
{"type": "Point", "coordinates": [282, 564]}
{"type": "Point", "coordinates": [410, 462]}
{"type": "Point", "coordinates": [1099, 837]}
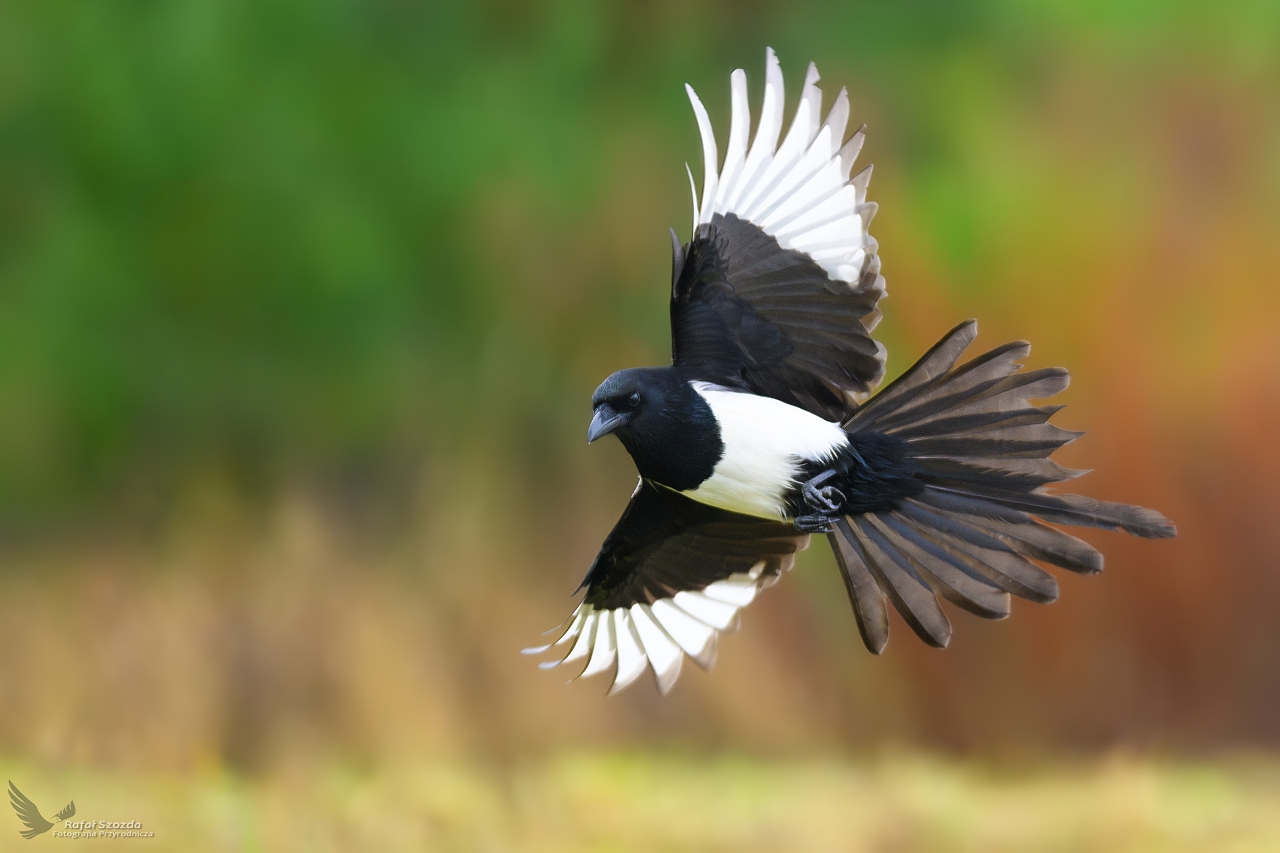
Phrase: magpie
{"type": "Point", "coordinates": [763, 430]}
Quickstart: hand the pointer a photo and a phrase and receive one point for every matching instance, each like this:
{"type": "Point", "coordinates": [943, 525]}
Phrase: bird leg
{"type": "Point", "coordinates": [826, 501]}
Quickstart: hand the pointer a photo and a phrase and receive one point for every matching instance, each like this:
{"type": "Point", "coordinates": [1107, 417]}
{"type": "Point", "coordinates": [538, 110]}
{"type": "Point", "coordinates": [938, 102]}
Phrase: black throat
{"type": "Point", "coordinates": [675, 439]}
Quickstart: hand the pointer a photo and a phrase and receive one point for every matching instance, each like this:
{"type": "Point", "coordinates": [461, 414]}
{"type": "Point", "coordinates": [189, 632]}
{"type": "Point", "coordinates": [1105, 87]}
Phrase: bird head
{"type": "Point", "coordinates": [617, 403]}
{"type": "Point", "coordinates": [669, 430]}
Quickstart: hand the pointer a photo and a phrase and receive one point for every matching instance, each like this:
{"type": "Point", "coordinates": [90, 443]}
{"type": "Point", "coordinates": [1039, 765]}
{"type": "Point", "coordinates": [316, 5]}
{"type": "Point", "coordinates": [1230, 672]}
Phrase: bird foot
{"type": "Point", "coordinates": [814, 523]}
{"type": "Point", "coordinates": [825, 503]}
{"type": "Point", "coordinates": [825, 499]}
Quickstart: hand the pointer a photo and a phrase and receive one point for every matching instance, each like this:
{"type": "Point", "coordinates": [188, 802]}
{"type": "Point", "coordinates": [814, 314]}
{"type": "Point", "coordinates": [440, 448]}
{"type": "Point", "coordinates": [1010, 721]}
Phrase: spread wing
{"type": "Point", "coordinates": [671, 575]}
{"type": "Point", "coordinates": [777, 290]}
{"type": "Point", "coordinates": [28, 813]}
{"type": "Point", "coordinates": [67, 813]}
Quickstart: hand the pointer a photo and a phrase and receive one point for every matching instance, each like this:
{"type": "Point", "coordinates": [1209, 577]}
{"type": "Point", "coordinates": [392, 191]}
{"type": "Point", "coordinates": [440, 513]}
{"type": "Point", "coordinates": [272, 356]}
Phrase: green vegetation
{"type": "Point", "coordinates": [279, 238]}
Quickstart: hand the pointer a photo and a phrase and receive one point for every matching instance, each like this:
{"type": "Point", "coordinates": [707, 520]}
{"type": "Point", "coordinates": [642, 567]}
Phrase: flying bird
{"type": "Point", "coordinates": [764, 428]}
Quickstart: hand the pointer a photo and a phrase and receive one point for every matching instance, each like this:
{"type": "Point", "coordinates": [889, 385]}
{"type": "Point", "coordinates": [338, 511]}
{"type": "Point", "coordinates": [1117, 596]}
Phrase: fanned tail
{"type": "Point", "coordinates": [974, 532]}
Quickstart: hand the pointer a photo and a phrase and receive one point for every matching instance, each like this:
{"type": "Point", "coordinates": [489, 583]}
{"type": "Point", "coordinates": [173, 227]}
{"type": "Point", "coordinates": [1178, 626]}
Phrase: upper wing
{"type": "Point", "coordinates": [671, 574]}
{"type": "Point", "coordinates": [777, 290]}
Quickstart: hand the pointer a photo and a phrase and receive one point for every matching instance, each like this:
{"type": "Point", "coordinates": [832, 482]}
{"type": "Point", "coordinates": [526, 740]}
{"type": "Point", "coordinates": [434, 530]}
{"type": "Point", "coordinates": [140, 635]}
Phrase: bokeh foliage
{"type": "Point", "coordinates": [255, 234]}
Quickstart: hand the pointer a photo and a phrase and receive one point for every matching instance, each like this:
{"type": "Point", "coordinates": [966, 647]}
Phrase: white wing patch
{"type": "Point", "coordinates": [799, 192]}
{"type": "Point", "coordinates": [657, 635]}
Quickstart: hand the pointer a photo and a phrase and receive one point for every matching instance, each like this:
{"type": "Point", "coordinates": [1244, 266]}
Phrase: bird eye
{"type": "Point", "coordinates": [634, 399]}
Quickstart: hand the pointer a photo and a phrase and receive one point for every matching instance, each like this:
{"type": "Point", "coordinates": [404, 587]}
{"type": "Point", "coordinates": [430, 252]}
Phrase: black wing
{"type": "Point", "coordinates": [746, 313]}
{"type": "Point", "coordinates": [776, 292]}
{"type": "Point", "coordinates": [671, 574]}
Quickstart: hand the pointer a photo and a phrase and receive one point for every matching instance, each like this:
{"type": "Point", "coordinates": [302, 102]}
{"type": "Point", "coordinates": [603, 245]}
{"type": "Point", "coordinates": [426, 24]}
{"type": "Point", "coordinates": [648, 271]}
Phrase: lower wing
{"type": "Point", "coordinates": [671, 575]}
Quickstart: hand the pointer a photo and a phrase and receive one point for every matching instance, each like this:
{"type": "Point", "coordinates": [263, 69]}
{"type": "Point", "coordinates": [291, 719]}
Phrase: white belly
{"type": "Point", "coordinates": [765, 443]}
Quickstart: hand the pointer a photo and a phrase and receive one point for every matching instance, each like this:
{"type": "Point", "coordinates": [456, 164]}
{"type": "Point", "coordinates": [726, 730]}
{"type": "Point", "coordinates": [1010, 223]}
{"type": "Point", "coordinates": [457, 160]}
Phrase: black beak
{"type": "Point", "coordinates": [604, 421]}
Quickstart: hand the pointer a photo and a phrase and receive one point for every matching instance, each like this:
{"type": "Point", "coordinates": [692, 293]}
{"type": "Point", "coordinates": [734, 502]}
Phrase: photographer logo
{"type": "Point", "coordinates": [36, 823]}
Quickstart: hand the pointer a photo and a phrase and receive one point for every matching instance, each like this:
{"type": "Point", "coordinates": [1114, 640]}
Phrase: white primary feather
{"type": "Point", "coordinates": [632, 661]}
{"type": "Point", "coordinates": [709, 154]}
{"type": "Point", "coordinates": [739, 129]}
{"type": "Point", "coordinates": [696, 638]}
{"type": "Point", "coordinates": [717, 614]}
{"type": "Point", "coordinates": [766, 138]}
{"type": "Point", "coordinates": [603, 651]}
{"type": "Point", "coordinates": [792, 191]}
{"type": "Point", "coordinates": [660, 634]}
{"type": "Point", "coordinates": [738, 590]}
{"type": "Point", "coordinates": [585, 640]}
{"type": "Point", "coordinates": [765, 442]}
{"type": "Point", "coordinates": [664, 655]}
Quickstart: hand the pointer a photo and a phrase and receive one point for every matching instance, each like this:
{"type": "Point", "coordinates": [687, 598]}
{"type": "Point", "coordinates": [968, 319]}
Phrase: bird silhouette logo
{"type": "Point", "coordinates": [30, 815]}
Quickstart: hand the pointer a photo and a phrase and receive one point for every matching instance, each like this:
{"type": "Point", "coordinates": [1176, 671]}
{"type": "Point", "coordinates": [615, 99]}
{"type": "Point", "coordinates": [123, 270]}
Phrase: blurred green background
{"type": "Point", "coordinates": [301, 307]}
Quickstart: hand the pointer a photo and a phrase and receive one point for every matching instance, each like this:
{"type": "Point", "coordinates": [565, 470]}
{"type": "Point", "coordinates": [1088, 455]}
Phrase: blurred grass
{"type": "Point", "coordinates": [286, 239]}
{"type": "Point", "coordinates": [654, 802]}
{"type": "Point", "coordinates": [301, 307]}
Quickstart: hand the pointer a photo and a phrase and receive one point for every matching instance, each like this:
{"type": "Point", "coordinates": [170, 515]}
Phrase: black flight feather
{"type": "Point", "coordinates": [746, 313]}
{"type": "Point", "coordinates": [666, 543]}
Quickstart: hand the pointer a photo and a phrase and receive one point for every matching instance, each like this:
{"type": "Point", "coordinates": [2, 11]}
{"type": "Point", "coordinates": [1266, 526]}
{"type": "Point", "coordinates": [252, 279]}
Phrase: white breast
{"type": "Point", "coordinates": [765, 443]}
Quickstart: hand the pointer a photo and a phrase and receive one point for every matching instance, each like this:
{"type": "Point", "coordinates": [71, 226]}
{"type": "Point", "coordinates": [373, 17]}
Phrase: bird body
{"type": "Point", "coordinates": [768, 446]}
{"type": "Point", "coordinates": [731, 449]}
{"type": "Point", "coordinates": [764, 430]}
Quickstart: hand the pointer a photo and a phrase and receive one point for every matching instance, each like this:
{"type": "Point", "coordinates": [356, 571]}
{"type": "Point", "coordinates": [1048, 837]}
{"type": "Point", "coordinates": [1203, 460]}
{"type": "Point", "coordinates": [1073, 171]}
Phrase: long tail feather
{"type": "Point", "coordinates": [976, 532]}
{"type": "Point", "coordinates": [905, 587]}
{"type": "Point", "coordinates": [967, 591]}
{"type": "Point", "coordinates": [864, 593]}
